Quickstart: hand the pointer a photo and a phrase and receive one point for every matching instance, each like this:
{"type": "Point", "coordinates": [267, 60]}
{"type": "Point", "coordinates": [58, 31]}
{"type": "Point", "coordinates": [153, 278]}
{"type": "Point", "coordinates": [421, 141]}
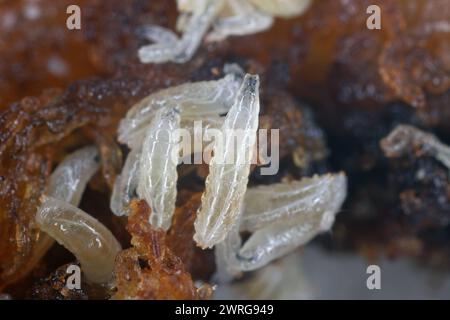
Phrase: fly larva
{"type": "Point", "coordinates": [158, 168]}
{"type": "Point", "coordinates": [405, 138]}
{"type": "Point", "coordinates": [180, 50]}
{"type": "Point", "coordinates": [69, 179]}
{"type": "Point", "coordinates": [229, 168]}
{"type": "Point", "coordinates": [126, 184]}
{"type": "Point", "coordinates": [158, 34]}
{"type": "Point", "coordinates": [59, 217]}
{"type": "Point", "coordinates": [193, 99]}
{"type": "Point", "coordinates": [244, 19]}
{"type": "Point", "coordinates": [89, 240]}
{"type": "Point", "coordinates": [282, 8]}
{"type": "Point", "coordinates": [276, 240]}
{"type": "Point", "coordinates": [206, 124]}
{"type": "Point", "coordinates": [225, 17]}
{"type": "Point", "coordinates": [200, 101]}
{"type": "Point", "coordinates": [67, 183]}
{"type": "Point", "coordinates": [286, 220]}
{"type": "Point", "coordinates": [268, 204]}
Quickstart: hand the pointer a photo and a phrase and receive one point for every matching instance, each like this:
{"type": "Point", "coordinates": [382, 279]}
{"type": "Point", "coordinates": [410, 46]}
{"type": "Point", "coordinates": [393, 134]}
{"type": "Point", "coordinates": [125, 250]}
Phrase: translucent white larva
{"type": "Point", "coordinates": [223, 17]}
{"type": "Point", "coordinates": [405, 137]}
{"type": "Point", "coordinates": [158, 167]}
{"type": "Point", "coordinates": [67, 183]}
{"type": "Point", "coordinates": [126, 184]}
{"type": "Point", "coordinates": [198, 99]}
{"type": "Point", "coordinates": [282, 220]}
{"type": "Point", "coordinates": [282, 8]}
{"type": "Point", "coordinates": [182, 49]}
{"type": "Point", "coordinates": [268, 204]}
{"type": "Point", "coordinates": [69, 179]}
{"type": "Point", "coordinates": [89, 240]}
{"type": "Point", "coordinates": [229, 168]}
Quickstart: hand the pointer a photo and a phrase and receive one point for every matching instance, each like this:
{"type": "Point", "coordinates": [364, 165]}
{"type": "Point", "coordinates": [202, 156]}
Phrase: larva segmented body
{"type": "Point", "coordinates": [89, 240]}
{"type": "Point", "coordinates": [282, 217]}
{"type": "Point", "coordinates": [69, 179]}
{"type": "Point", "coordinates": [229, 168]}
{"type": "Point", "coordinates": [158, 167]}
{"type": "Point", "coordinates": [204, 98]}
{"type": "Point", "coordinates": [93, 244]}
{"type": "Point", "coordinates": [126, 184]}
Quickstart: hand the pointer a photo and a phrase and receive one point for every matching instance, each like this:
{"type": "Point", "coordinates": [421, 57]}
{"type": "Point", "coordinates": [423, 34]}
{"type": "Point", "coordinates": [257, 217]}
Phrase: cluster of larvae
{"type": "Point", "coordinates": [279, 217]}
{"type": "Point", "coordinates": [224, 17]}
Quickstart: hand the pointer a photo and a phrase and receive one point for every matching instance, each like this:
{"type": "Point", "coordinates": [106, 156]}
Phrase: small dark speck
{"type": "Point", "coordinates": [143, 263]}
